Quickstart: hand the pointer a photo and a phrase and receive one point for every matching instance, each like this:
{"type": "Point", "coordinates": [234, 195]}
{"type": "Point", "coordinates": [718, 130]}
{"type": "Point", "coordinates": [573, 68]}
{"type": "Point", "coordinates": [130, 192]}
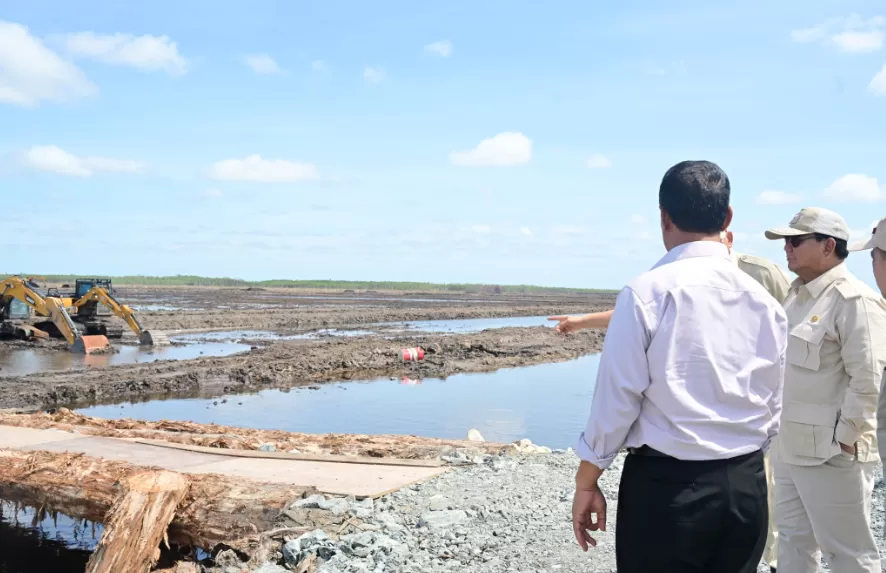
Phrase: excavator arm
{"type": "Point", "coordinates": [122, 311]}
{"type": "Point", "coordinates": [53, 308]}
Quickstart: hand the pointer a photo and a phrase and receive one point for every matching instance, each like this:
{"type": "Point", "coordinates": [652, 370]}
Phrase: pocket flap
{"type": "Point", "coordinates": [811, 333]}
{"type": "Point", "coordinates": [813, 414]}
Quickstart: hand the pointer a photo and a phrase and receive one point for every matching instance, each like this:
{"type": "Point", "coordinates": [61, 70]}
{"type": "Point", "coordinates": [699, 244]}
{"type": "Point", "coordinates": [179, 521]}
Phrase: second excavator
{"type": "Point", "coordinates": [90, 295]}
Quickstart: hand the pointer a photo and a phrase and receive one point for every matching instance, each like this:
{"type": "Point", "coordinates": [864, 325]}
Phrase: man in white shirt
{"type": "Point", "coordinates": [825, 456]}
{"type": "Point", "coordinates": [690, 381]}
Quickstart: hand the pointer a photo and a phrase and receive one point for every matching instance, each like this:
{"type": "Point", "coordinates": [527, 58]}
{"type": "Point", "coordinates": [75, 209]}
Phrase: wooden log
{"type": "Point", "coordinates": [217, 509]}
{"type": "Point", "coordinates": [137, 523]}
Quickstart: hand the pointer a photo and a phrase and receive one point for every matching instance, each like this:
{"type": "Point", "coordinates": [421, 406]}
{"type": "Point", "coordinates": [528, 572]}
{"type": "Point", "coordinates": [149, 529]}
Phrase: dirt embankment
{"type": "Point", "coordinates": [298, 363]}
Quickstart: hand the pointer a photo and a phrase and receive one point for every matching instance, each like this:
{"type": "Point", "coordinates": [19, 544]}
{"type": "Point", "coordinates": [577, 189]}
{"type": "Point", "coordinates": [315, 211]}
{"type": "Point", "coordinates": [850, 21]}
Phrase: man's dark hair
{"type": "Point", "coordinates": [842, 248]}
{"type": "Point", "coordinates": [695, 194]}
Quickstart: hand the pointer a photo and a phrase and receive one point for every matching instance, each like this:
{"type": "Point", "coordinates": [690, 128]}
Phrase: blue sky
{"type": "Point", "coordinates": [496, 141]}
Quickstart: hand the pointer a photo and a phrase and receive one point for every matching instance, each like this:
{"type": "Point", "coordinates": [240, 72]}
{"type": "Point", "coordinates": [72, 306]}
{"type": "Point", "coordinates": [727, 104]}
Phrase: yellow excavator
{"type": "Point", "coordinates": [18, 290]}
{"type": "Point", "coordinates": [85, 301]}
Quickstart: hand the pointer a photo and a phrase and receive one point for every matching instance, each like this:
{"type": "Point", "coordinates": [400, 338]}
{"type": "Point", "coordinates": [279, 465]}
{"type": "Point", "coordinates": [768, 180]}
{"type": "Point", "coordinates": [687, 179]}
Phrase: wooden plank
{"type": "Point", "coordinates": [329, 458]}
{"type": "Point", "coordinates": [137, 523]}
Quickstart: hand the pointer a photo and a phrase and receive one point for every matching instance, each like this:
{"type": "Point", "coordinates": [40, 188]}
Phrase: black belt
{"type": "Point", "coordinates": [647, 451]}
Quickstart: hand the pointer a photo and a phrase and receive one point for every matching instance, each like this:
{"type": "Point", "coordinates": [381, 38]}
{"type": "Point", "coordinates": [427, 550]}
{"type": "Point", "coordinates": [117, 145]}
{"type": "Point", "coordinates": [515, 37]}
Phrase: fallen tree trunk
{"type": "Point", "coordinates": [216, 510]}
{"type": "Point", "coordinates": [137, 523]}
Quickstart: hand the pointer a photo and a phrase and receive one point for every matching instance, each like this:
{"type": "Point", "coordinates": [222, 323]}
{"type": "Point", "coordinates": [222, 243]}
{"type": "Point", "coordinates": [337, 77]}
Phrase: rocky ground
{"type": "Point", "coordinates": [507, 514]}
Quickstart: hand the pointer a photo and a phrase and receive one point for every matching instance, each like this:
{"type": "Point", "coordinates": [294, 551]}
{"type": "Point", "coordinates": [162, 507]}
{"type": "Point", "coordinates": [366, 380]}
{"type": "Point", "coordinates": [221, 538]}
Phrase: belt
{"type": "Point", "coordinates": [650, 452]}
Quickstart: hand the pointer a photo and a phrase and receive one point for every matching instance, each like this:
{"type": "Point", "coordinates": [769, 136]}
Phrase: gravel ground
{"type": "Point", "coordinates": [503, 514]}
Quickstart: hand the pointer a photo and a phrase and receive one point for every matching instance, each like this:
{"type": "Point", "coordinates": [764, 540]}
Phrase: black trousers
{"type": "Point", "coordinates": [691, 517]}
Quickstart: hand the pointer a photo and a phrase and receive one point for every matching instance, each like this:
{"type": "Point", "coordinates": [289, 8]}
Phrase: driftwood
{"type": "Point", "coordinates": [137, 523]}
{"type": "Point", "coordinates": [216, 510]}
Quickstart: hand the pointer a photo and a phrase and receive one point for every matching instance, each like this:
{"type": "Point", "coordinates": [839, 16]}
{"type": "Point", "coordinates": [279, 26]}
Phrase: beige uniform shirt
{"type": "Point", "coordinates": [770, 275]}
{"type": "Point", "coordinates": [835, 360]}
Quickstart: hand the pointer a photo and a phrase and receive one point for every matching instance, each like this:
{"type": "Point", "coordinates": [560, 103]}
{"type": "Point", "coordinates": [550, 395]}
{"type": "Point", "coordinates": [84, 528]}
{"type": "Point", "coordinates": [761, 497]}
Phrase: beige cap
{"type": "Point", "coordinates": [813, 220]}
{"type": "Point", "coordinates": [877, 239]}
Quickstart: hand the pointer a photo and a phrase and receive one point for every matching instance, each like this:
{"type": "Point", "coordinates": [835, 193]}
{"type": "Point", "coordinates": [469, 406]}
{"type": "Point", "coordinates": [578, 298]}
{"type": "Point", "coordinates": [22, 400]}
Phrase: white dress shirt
{"type": "Point", "coordinates": [693, 362]}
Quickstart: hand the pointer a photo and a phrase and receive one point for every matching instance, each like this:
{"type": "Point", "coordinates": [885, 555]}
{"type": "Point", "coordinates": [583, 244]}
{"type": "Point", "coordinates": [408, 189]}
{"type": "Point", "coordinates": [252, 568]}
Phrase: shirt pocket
{"type": "Point", "coordinates": [804, 345]}
{"type": "Point", "coordinates": [808, 429]}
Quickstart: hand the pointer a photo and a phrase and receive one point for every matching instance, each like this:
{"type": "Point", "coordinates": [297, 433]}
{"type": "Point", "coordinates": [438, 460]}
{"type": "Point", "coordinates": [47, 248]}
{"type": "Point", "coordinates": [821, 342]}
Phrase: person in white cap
{"type": "Point", "coordinates": [825, 454]}
{"type": "Point", "coordinates": [776, 282]}
{"type": "Point", "coordinates": [877, 245]}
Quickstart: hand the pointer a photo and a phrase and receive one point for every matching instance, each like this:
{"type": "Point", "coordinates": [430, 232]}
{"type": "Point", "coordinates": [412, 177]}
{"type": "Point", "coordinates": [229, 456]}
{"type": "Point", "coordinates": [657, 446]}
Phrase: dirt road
{"type": "Point", "coordinates": [305, 362]}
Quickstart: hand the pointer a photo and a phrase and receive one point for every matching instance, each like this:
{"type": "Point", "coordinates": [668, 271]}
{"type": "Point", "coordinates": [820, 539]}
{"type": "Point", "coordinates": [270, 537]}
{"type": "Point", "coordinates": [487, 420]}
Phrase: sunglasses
{"type": "Point", "coordinates": [797, 241]}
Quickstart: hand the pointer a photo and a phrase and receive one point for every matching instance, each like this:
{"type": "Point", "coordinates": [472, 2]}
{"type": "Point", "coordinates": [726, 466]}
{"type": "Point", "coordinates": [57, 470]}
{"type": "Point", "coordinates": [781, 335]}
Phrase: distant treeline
{"type": "Point", "coordinates": [188, 280]}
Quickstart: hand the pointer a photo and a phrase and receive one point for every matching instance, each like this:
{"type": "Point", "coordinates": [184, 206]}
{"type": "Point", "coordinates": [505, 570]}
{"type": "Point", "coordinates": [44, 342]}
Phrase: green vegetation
{"type": "Point", "coordinates": [186, 280]}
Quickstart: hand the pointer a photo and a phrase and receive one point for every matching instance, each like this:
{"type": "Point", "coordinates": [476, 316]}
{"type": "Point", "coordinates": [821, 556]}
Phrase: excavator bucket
{"type": "Point", "coordinates": [153, 338]}
{"type": "Point", "coordinates": [90, 343]}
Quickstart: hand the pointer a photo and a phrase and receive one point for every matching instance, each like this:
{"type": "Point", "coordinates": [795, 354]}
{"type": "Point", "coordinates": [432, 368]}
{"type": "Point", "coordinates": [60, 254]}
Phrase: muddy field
{"type": "Point", "coordinates": [293, 363]}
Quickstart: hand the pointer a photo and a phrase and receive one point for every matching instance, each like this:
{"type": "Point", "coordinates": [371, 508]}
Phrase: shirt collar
{"type": "Point", "coordinates": [694, 249]}
{"type": "Point", "coordinates": [817, 285]}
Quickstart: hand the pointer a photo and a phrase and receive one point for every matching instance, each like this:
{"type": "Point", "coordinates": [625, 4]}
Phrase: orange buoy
{"type": "Point", "coordinates": [413, 354]}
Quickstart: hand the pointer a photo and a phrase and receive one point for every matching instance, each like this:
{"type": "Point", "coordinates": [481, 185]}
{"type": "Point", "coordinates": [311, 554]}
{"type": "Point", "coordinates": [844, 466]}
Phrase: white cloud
{"type": "Point", "coordinates": [525, 231]}
{"type": "Point", "coordinates": [878, 83]}
{"type": "Point", "coordinates": [212, 193]}
{"type": "Point", "coordinates": [374, 75]}
{"type": "Point", "coordinates": [318, 66]}
{"type": "Point", "coordinates": [638, 219]}
{"type": "Point", "coordinates": [53, 159]}
{"type": "Point", "coordinates": [481, 228]}
{"type": "Point", "coordinates": [30, 72]}
{"type": "Point", "coordinates": [254, 168]}
{"type": "Point", "coordinates": [569, 230]}
{"type": "Point", "coordinates": [859, 42]}
{"type": "Point", "coordinates": [262, 64]}
{"type": "Point", "coordinates": [851, 34]}
{"type": "Point", "coordinates": [772, 197]}
{"type": "Point", "coordinates": [677, 68]}
{"type": "Point", "coordinates": [504, 149]}
{"type": "Point", "coordinates": [855, 187]}
{"type": "Point", "coordinates": [442, 48]}
{"type": "Point", "coordinates": [598, 161]}
{"type": "Point", "coordinates": [147, 52]}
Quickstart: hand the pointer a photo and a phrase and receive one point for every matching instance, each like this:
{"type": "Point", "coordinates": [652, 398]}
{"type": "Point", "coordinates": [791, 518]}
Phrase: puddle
{"type": "Point", "coordinates": [263, 335]}
{"type": "Point", "coordinates": [148, 307]}
{"type": "Point", "coordinates": [547, 403]}
{"type": "Point", "coordinates": [32, 542]}
{"type": "Point", "coordinates": [21, 362]}
{"type": "Point", "coordinates": [382, 299]}
{"type": "Point", "coordinates": [464, 325]}
{"type": "Point", "coordinates": [54, 543]}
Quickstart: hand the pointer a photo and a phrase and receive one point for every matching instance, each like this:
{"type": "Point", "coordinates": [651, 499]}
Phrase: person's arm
{"type": "Point", "coordinates": [861, 326]}
{"type": "Point", "coordinates": [622, 377]}
{"type": "Point", "coordinates": [576, 323]}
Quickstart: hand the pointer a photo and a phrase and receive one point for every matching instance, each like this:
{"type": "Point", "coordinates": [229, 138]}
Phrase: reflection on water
{"type": "Point", "coordinates": [32, 542]}
{"type": "Point", "coordinates": [547, 403]}
{"type": "Point", "coordinates": [19, 361]}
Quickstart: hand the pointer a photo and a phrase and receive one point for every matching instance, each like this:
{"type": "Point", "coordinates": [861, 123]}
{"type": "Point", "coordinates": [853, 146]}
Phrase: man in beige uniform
{"type": "Point", "coordinates": [776, 281]}
{"type": "Point", "coordinates": [825, 454]}
{"type": "Point", "coordinates": [877, 246]}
